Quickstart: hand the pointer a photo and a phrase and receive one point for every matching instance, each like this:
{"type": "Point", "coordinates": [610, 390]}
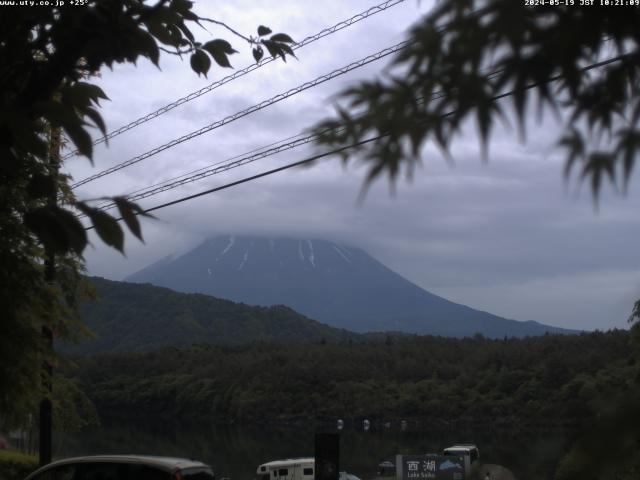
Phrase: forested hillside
{"type": "Point", "coordinates": [138, 317]}
{"type": "Point", "coordinates": [548, 380]}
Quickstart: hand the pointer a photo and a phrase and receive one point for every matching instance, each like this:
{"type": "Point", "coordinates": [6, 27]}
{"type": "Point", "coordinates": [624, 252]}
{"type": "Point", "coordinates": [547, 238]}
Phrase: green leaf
{"type": "Point", "coordinates": [81, 94]}
{"type": "Point", "coordinates": [148, 47]}
{"type": "Point", "coordinates": [97, 119]}
{"type": "Point", "coordinates": [106, 226]}
{"type": "Point", "coordinates": [51, 234]}
{"type": "Point", "coordinates": [181, 6]}
{"type": "Point", "coordinates": [125, 207]}
{"type": "Point", "coordinates": [628, 148]}
{"type": "Point", "coordinates": [41, 186]}
{"type": "Point", "coordinates": [574, 143]}
{"type": "Point", "coordinates": [219, 46]}
{"type": "Point", "coordinates": [57, 229]}
{"type": "Point", "coordinates": [25, 134]}
{"type": "Point", "coordinates": [222, 60]}
{"type": "Point", "coordinates": [281, 37]}
{"type": "Point", "coordinates": [597, 165]}
{"type": "Point", "coordinates": [274, 49]}
{"type": "Point", "coordinates": [181, 27]}
{"type": "Point", "coordinates": [200, 62]}
{"type": "Point", "coordinates": [80, 137]}
{"type": "Point", "coordinates": [189, 15]}
{"type": "Point", "coordinates": [76, 234]}
{"type": "Point", "coordinates": [257, 53]}
{"type": "Point", "coordinates": [262, 30]}
{"type": "Point", "coordinates": [56, 113]}
{"type": "Point", "coordinates": [287, 49]}
{"type": "Point", "coordinates": [162, 33]}
{"type": "Point", "coordinates": [635, 313]}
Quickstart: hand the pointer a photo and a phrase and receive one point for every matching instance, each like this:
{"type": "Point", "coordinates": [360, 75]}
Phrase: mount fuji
{"type": "Point", "coordinates": [339, 285]}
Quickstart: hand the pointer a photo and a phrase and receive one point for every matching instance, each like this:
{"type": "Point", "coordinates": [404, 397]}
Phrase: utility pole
{"type": "Point", "coordinates": [46, 417]}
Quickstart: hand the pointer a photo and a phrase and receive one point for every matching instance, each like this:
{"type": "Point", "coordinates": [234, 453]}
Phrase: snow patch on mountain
{"type": "Point", "coordinates": [232, 240]}
{"type": "Point", "coordinates": [244, 260]}
{"type": "Point", "coordinates": [311, 254]}
{"type": "Point", "coordinates": [341, 253]}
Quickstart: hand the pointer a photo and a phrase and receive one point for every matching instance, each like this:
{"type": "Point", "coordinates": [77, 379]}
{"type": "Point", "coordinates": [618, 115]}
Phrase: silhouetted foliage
{"type": "Point", "coordinates": [47, 53]}
{"type": "Point", "coordinates": [466, 55]}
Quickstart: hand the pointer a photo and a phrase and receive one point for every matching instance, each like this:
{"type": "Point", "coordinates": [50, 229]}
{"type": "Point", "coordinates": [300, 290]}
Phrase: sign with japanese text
{"type": "Point", "coordinates": [429, 467]}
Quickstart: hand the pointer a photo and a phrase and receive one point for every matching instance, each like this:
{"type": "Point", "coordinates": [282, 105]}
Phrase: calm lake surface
{"type": "Point", "coordinates": [235, 451]}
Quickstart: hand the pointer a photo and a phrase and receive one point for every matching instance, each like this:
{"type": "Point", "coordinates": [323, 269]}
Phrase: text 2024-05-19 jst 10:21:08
{"type": "Point", "coordinates": [583, 3]}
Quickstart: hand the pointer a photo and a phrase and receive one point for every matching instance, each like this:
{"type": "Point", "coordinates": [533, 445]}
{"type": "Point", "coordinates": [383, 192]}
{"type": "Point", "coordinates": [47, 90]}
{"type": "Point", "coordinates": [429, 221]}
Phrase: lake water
{"type": "Point", "coordinates": [236, 451]}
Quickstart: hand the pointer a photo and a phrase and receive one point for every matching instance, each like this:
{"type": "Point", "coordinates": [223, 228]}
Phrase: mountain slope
{"type": "Point", "coordinates": [133, 317]}
{"type": "Point", "coordinates": [341, 286]}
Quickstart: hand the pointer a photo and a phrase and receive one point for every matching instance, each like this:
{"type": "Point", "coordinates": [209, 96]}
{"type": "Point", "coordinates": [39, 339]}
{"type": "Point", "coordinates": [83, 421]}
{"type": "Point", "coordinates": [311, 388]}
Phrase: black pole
{"type": "Point", "coordinates": [46, 420]}
{"type": "Point", "coordinates": [46, 413]}
{"type": "Point", "coordinates": [327, 456]}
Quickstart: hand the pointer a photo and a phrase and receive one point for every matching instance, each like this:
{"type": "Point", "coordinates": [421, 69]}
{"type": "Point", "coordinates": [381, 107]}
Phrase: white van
{"type": "Point", "coordinates": [289, 469]}
{"type": "Point", "coordinates": [294, 469]}
{"type": "Point", "coordinates": [468, 452]}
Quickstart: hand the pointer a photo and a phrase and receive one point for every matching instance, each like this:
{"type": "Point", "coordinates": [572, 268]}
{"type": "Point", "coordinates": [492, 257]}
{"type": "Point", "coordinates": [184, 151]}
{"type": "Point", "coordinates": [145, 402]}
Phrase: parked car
{"type": "Point", "coordinates": [469, 454]}
{"type": "Point", "coordinates": [386, 469]}
{"type": "Point", "coordinates": [123, 467]}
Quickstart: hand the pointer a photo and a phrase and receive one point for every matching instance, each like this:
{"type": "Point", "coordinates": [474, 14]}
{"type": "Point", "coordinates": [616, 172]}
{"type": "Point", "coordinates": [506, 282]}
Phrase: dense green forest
{"type": "Point", "coordinates": [137, 317]}
{"type": "Point", "coordinates": [550, 380]}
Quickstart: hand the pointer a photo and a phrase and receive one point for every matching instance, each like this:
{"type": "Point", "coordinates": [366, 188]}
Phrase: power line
{"type": "Point", "coordinates": [198, 171]}
{"type": "Point", "coordinates": [217, 168]}
{"type": "Point", "coordinates": [222, 166]}
{"type": "Point", "coordinates": [239, 73]}
{"type": "Point", "coordinates": [283, 145]}
{"type": "Point", "coordinates": [233, 162]}
{"type": "Point", "coordinates": [259, 175]}
{"type": "Point", "coordinates": [357, 144]}
{"type": "Point", "coordinates": [243, 113]}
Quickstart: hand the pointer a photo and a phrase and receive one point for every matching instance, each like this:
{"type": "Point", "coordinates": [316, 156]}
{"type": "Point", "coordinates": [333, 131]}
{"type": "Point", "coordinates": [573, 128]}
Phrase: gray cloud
{"type": "Point", "coordinates": [508, 237]}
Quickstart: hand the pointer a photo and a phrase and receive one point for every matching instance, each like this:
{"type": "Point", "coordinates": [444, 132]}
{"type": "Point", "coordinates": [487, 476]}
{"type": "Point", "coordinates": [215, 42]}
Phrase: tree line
{"type": "Point", "coordinates": [548, 380]}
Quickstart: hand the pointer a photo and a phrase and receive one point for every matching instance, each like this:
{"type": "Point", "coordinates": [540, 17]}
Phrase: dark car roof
{"type": "Point", "coordinates": [168, 464]}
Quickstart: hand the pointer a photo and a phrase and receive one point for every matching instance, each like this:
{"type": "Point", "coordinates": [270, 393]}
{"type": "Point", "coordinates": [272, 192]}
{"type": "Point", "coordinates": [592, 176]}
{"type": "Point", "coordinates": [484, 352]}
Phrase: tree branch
{"type": "Point", "coordinates": [222, 24]}
{"type": "Point", "coordinates": [177, 52]}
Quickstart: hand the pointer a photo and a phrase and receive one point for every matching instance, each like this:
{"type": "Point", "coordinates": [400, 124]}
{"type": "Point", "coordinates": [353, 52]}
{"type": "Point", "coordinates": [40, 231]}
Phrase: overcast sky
{"type": "Point", "coordinates": [508, 237]}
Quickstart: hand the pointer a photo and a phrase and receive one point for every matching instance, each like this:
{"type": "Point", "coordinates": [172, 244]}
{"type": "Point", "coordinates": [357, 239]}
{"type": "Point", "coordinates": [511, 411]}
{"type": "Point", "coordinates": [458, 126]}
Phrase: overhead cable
{"type": "Point", "coordinates": [357, 144]}
{"type": "Point", "coordinates": [208, 167]}
{"type": "Point", "coordinates": [224, 165]}
{"type": "Point", "coordinates": [259, 175]}
{"type": "Point", "coordinates": [213, 170]}
{"type": "Point", "coordinates": [239, 73]}
{"type": "Point", "coordinates": [248, 111]}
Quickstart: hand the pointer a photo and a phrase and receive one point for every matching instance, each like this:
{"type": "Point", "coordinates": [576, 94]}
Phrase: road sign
{"type": "Point", "coordinates": [429, 467]}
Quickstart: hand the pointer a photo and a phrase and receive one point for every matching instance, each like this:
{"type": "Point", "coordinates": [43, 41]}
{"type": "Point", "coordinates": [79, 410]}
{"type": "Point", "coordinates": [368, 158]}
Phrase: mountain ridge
{"type": "Point", "coordinates": [130, 317]}
{"type": "Point", "coordinates": [341, 286]}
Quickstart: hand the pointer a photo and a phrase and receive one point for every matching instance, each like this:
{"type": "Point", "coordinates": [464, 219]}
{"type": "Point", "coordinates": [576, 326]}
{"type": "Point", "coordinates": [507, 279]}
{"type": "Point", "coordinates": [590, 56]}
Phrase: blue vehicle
{"type": "Point", "coordinates": [468, 452]}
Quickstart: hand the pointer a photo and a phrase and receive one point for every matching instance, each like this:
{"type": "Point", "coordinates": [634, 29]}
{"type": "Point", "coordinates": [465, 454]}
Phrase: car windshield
{"type": "Point", "coordinates": [456, 453]}
{"type": "Point", "coordinates": [347, 476]}
{"type": "Point", "coordinates": [197, 474]}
